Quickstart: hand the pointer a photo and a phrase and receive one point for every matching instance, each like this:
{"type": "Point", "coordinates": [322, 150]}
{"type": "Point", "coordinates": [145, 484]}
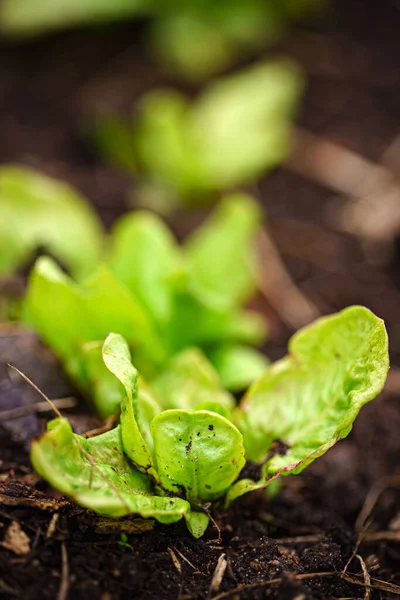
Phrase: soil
{"type": "Point", "coordinates": [346, 506]}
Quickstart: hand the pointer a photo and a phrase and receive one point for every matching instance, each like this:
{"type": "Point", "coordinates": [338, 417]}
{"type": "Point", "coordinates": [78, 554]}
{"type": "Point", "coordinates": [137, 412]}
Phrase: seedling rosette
{"type": "Point", "coordinates": [176, 306]}
{"type": "Point", "coordinates": [169, 464]}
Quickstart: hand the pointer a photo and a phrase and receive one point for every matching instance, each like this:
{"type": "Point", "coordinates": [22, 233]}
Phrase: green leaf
{"type": "Point", "coordinates": [309, 399]}
{"type": "Point", "coordinates": [117, 358]}
{"type": "Point", "coordinates": [200, 321]}
{"type": "Point", "coordinates": [238, 366]}
{"type": "Point", "coordinates": [241, 123]}
{"type": "Point", "coordinates": [162, 143]}
{"type": "Point", "coordinates": [189, 380]}
{"type": "Point", "coordinates": [242, 487]}
{"type": "Point", "coordinates": [57, 457]}
{"type": "Point", "coordinates": [197, 522]}
{"type": "Point", "coordinates": [110, 306]}
{"type": "Point", "coordinates": [199, 452]}
{"type": "Point", "coordinates": [192, 46]}
{"type": "Point", "coordinates": [37, 212]}
{"type": "Point", "coordinates": [111, 486]}
{"type": "Point", "coordinates": [145, 257]}
{"type": "Point", "coordinates": [208, 37]}
{"type": "Point", "coordinates": [52, 306]}
{"type": "Point", "coordinates": [67, 315]}
{"type": "Point", "coordinates": [24, 18]}
{"type": "Point", "coordinates": [221, 253]}
{"type": "Point", "coordinates": [147, 409]}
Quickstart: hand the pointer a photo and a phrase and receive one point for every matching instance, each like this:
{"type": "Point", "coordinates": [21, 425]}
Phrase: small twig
{"type": "Point", "coordinates": [278, 288]}
{"type": "Point", "coordinates": [251, 586]}
{"type": "Point", "coordinates": [382, 536]}
{"type": "Point", "coordinates": [373, 497]}
{"type": "Point", "coordinates": [372, 190]}
{"type": "Point", "coordinates": [376, 584]}
{"type": "Point", "coordinates": [348, 577]}
{"type": "Point", "coordinates": [35, 387]}
{"type": "Point", "coordinates": [360, 538]}
{"type": "Point", "coordinates": [206, 509]}
{"type": "Point", "coordinates": [107, 426]}
{"type": "Point", "coordinates": [183, 557]}
{"type": "Point", "coordinates": [218, 575]}
{"type": "Point", "coordinates": [38, 407]}
{"type": "Point", "coordinates": [334, 166]}
{"type": "Point", "coordinates": [63, 591]}
{"type": "Point", "coordinates": [367, 578]}
{"type": "Point", "coordinates": [175, 561]}
{"type": "Point", "coordinates": [52, 525]}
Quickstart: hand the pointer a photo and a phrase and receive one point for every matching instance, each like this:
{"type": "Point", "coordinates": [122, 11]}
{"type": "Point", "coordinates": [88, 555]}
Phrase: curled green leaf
{"type": "Point", "coordinates": [117, 359]}
{"type": "Point", "coordinates": [197, 453]}
{"type": "Point", "coordinates": [97, 474]}
{"type": "Point", "coordinates": [309, 400]}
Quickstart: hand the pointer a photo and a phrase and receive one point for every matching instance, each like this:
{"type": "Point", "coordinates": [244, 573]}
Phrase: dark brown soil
{"type": "Point", "coordinates": [293, 546]}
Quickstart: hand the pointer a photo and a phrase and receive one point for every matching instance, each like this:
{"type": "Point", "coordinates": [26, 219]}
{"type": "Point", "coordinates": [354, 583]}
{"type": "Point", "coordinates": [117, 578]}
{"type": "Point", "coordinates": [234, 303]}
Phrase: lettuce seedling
{"type": "Point", "coordinates": [208, 37]}
{"type": "Point", "coordinates": [236, 129]}
{"type": "Point", "coordinates": [163, 298]}
{"type": "Point", "coordinates": [39, 212]}
{"type": "Point", "coordinates": [173, 463]}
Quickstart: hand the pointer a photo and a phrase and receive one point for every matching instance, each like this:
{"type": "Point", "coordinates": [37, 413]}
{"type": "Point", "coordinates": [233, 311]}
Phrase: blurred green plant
{"type": "Point", "coordinates": [238, 128]}
{"type": "Point", "coordinates": [193, 38]}
{"type": "Point", "coordinates": [173, 463]}
{"type": "Point", "coordinates": [37, 212]}
{"type": "Point", "coordinates": [164, 299]}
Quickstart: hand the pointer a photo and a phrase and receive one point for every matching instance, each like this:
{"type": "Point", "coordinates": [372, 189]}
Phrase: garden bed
{"type": "Point", "coordinates": [298, 544]}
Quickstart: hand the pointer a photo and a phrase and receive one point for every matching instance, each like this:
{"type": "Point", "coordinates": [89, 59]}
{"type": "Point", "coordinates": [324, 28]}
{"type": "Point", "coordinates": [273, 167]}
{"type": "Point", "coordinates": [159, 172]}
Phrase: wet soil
{"type": "Point", "coordinates": [297, 544]}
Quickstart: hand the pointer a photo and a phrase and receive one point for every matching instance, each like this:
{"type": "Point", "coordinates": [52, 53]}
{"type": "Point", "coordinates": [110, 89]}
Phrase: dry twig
{"type": "Point", "coordinates": [175, 561]}
{"type": "Point", "coordinates": [367, 578]}
{"type": "Point", "coordinates": [348, 577]}
{"type": "Point", "coordinates": [373, 497]}
{"type": "Point", "coordinates": [372, 190]}
{"type": "Point", "coordinates": [277, 287]}
{"type": "Point", "coordinates": [64, 586]}
{"type": "Point", "coordinates": [183, 557]}
{"type": "Point", "coordinates": [52, 525]}
{"type": "Point", "coordinates": [38, 407]}
{"type": "Point", "coordinates": [218, 575]}
{"type": "Point", "coordinates": [107, 426]}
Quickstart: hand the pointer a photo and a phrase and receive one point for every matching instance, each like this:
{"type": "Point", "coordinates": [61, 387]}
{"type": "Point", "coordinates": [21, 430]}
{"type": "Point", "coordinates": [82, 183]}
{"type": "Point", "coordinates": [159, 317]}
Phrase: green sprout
{"type": "Point", "coordinates": [177, 306]}
{"type": "Point", "coordinates": [171, 464]}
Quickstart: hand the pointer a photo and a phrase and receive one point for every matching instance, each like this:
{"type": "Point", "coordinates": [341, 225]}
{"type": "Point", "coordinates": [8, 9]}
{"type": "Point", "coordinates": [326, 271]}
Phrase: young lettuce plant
{"type": "Point", "coordinates": [170, 464]}
{"type": "Point", "coordinates": [239, 127]}
{"type": "Point", "coordinates": [164, 299]}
